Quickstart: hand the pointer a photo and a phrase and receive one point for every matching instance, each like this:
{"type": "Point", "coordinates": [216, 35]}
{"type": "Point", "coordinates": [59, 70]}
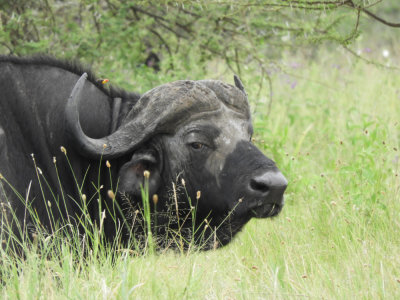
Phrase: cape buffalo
{"type": "Point", "coordinates": [206, 179]}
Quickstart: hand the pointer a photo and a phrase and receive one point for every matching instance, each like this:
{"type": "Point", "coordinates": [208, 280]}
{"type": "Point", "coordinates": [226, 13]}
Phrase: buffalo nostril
{"type": "Point", "coordinates": [268, 182]}
{"type": "Point", "coordinates": [259, 186]}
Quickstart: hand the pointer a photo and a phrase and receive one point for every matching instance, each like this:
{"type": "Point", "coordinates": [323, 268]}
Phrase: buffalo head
{"type": "Point", "coordinates": [198, 131]}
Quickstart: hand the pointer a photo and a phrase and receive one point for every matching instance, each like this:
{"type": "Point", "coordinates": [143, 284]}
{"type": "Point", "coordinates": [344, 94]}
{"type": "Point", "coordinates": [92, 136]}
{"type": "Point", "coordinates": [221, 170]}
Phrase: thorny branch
{"type": "Point", "coordinates": [239, 32]}
{"type": "Point", "coordinates": [228, 26]}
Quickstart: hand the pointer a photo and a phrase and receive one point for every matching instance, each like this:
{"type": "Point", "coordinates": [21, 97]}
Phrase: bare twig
{"type": "Point", "coordinates": [370, 61]}
{"type": "Point", "coordinates": [270, 94]}
{"type": "Point", "coordinates": [163, 41]}
{"type": "Point", "coordinates": [354, 33]}
{"type": "Point", "coordinates": [160, 18]}
{"type": "Point", "coordinates": [379, 19]}
{"type": "Point", "coordinates": [387, 23]}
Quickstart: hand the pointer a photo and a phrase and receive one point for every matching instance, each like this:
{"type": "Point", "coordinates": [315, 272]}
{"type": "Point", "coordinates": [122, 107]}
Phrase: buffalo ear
{"type": "Point", "coordinates": [131, 175]}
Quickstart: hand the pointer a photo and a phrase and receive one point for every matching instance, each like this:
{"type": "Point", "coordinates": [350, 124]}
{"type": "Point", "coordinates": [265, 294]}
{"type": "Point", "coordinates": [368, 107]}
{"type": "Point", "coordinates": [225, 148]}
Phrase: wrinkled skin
{"type": "Point", "coordinates": [214, 155]}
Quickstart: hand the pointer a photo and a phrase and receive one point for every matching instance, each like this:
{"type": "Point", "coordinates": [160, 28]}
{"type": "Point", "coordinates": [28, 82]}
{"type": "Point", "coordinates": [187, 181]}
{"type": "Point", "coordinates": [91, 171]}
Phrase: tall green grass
{"type": "Point", "coordinates": [334, 132]}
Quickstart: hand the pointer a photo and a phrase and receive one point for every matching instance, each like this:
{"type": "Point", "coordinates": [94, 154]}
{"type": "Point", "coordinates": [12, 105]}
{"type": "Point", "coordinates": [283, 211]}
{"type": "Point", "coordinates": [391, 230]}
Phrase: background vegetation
{"type": "Point", "coordinates": [323, 81]}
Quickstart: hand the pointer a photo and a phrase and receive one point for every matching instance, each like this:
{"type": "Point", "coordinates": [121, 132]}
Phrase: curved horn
{"type": "Point", "coordinates": [239, 84]}
{"type": "Point", "coordinates": [73, 126]}
{"type": "Point", "coordinates": [160, 110]}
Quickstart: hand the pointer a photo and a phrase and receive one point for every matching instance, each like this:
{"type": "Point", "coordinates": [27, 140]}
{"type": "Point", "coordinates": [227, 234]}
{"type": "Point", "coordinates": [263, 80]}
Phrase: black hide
{"type": "Point", "coordinates": [192, 136]}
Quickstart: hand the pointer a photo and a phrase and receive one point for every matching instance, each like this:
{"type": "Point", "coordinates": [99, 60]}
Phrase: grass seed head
{"type": "Point", "coordinates": [84, 197]}
{"type": "Point", "coordinates": [54, 160]}
{"type": "Point", "coordinates": [111, 194]}
{"type": "Point", "coordinates": [155, 199]}
{"type": "Point", "coordinates": [198, 195]}
{"type": "Point", "coordinates": [104, 146]}
{"type": "Point", "coordinates": [146, 174]}
{"type": "Point", "coordinates": [1, 176]}
{"type": "Point", "coordinates": [108, 164]}
{"type": "Point", "coordinates": [183, 182]}
{"type": "Point", "coordinates": [49, 203]}
{"type": "Point", "coordinates": [63, 150]}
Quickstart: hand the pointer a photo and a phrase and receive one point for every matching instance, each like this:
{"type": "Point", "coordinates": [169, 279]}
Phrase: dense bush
{"type": "Point", "coordinates": [116, 35]}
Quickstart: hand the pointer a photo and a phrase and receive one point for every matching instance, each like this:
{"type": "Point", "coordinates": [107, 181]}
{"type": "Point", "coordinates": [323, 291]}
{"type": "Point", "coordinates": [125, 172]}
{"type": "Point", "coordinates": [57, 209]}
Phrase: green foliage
{"type": "Point", "coordinates": [117, 36]}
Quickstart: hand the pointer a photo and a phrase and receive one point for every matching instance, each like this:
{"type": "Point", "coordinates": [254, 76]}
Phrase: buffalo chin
{"type": "Point", "coordinates": [267, 211]}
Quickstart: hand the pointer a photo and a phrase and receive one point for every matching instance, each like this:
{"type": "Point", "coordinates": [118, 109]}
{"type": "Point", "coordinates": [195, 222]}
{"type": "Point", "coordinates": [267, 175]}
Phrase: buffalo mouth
{"type": "Point", "coordinates": [268, 210]}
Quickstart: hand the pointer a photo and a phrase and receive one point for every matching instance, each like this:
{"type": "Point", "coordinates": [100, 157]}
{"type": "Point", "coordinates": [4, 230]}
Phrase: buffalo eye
{"type": "Point", "coordinates": [197, 146]}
